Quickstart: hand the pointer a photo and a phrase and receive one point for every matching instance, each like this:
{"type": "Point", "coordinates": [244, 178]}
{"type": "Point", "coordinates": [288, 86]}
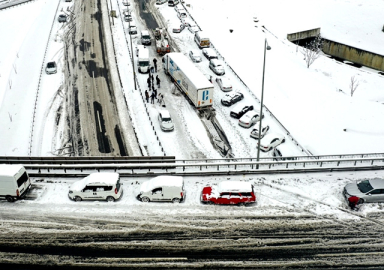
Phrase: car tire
{"type": "Point", "coordinates": [176, 200]}
{"type": "Point", "coordinates": [77, 199]}
{"type": "Point", "coordinates": [110, 199]}
{"type": "Point", "coordinates": [360, 201]}
{"type": "Point", "coordinates": [10, 199]}
{"type": "Point", "coordinates": [241, 204]}
{"type": "Point", "coordinates": [145, 199]}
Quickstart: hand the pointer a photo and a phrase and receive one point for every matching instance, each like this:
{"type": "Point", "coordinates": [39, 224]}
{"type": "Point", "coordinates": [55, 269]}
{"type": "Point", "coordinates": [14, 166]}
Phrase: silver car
{"type": "Point", "coordinates": [165, 120]}
{"type": "Point", "coordinates": [369, 191]}
{"type": "Point", "coordinates": [224, 84]}
{"type": "Point", "coordinates": [216, 66]}
{"type": "Point", "coordinates": [195, 55]}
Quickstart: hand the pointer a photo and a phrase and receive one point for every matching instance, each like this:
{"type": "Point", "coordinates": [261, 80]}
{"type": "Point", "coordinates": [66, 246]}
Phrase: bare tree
{"type": "Point", "coordinates": [311, 50]}
{"type": "Point", "coordinates": [353, 85]}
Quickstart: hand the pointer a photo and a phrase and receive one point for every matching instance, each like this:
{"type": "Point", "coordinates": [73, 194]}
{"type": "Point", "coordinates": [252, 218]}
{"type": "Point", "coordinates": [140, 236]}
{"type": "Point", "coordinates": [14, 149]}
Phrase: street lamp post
{"type": "Point", "coordinates": [266, 47]}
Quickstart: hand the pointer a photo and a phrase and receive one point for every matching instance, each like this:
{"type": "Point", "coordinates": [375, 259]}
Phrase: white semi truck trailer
{"type": "Point", "coordinates": [189, 79]}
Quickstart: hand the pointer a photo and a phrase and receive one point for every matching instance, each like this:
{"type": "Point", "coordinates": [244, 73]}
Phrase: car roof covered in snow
{"type": "Point", "coordinates": [164, 113]}
{"type": "Point", "coordinates": [235, 186]}
{"type": "Point", "coordinates": [10, 170]}
{"type": "Point", "coordinates": [162, 181]}
{"type": "Point", "coordinates": [103, 178]}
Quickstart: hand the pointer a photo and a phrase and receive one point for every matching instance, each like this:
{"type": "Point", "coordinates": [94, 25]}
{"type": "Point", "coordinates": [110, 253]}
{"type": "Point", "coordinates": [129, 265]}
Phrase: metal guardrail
{"type": "Point", "coordinates": [143, 166]}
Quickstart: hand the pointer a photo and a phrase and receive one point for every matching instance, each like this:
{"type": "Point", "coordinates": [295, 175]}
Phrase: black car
{"type": "Point", "coordinates": [62, 18]}
{"type": "Point", "coordinates": [240, 110]}
{"type": "Point", "coordinates": [278, 155]}
{"type": "Point", "coordinates": [231, 98]}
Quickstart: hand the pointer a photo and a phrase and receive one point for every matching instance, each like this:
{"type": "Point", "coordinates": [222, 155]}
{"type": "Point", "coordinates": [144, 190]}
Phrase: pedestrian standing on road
{"type": "Point", "coordinates": [146, 96]}
{"type": "Point", "coordinates": [155, 92]}
{"type": "Point", "coordinates": [160, 99]}
{"type": "Point", "coordinates": [153, 98]}
{"type": "Point", "coordinates": [155, 63]}
{"type": "Point", "coordinates": [149, 82]}
{"type": "Point", "coordinates": [152, 79]}
{"type": "Point", "coordinates": [158, 81]}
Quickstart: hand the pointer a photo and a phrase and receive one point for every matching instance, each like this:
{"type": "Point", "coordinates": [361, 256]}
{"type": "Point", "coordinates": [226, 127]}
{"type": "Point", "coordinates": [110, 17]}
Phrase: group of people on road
{"type": "Point", "coordinates": [151, 93]}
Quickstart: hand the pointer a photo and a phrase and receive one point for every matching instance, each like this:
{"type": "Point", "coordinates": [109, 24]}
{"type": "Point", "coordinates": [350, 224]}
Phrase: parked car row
{"type": "Point", "coordinates": [107, 187]}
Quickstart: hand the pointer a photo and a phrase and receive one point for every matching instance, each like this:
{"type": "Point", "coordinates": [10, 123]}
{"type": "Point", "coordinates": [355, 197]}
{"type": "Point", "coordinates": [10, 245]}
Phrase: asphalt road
{"type": "Point", "coordinates": [94, 120]}
{"type": "Point", "coordinates": [214, 242]}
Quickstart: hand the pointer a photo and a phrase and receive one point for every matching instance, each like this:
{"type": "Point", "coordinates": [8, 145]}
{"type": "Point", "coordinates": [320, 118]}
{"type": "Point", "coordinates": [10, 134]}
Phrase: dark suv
{"type": "Point", "coordinates": [240, 110]}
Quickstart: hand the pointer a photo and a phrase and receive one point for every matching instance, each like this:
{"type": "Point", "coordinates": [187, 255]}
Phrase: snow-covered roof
{"type": "Point", "coordinates": [194, 74]}
{"type": "Point", "coordinates": [162, 181]}
{"type": "Point", "coordinates": [10, 170]}
{"type": "Point", "coordinates": [96, 178]}
{"type": "Point", "coordinates": [237, 186]}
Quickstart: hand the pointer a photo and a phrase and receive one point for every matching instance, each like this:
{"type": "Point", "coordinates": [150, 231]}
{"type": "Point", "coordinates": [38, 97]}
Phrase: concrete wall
{"type": "Point", "coordinates": [355, 55]}
{"type": "Point", "coordinates": [303, 34]}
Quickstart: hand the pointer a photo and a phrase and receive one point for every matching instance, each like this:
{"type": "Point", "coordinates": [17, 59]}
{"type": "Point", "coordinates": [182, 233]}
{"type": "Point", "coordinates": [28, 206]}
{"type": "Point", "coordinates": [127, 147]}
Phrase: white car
{"type": "Point", "coordinates": [216, 66]}
{"type": "Point", "coordinates": [132, 28]}
{"type": "Point", "coordinates": [195, 55]}
{"type": "Point", "coordinates": [97, 187]}
{"type": "Point", "coordinates": [255, 132]}
{"type": "Point", "coordinates": [51, 68]}
{"type": "Point", "coordinates": [193, 28]}
{"type": "Point", "coordinates": [249, 119]}
{"type": "Point", "coordinates": [224, 83]}
{"type": "Point", "coordinates": [165, 120]}
{"type": "Point", "coordinates": [270, 141]}
{"type": "Point", "coordinates": [210, 53]}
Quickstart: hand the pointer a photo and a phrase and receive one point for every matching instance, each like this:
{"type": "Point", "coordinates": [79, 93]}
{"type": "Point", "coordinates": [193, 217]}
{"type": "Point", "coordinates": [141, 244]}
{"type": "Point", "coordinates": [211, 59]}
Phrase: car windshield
{"type": "Point", "coordinates": [143, 63]}
{"type": "Point", "coordinates": [146, 37]}
{"type": "Point", "coordinates": [167, 119]}
{"type": "Point", "coordinates": [364, 186]}
{"type": "Point", "coordinates": [51, 65]}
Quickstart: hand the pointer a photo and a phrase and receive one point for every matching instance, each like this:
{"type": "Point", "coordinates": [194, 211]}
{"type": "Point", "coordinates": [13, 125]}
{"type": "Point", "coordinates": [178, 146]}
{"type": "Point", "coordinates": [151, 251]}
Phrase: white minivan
{"type": "Point", "coordinates": [143, 62]}
{"type": "Point", "coordinates": [163, 189]}
{"type": "Point", "coordinates": [202, 40]}
{"type": "Point", "coordinates": [14, 182]}
{"type": "Point", "coordinates": [97, 187]}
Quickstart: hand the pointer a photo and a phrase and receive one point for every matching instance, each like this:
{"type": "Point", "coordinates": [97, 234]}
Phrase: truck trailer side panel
{"type": "Point", "coordinates": [190, 80]}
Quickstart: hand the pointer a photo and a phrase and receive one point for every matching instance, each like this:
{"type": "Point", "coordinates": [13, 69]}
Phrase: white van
{"type": "Point", "coordinates": [145, 37]}
{"type": "Point", "coordinates": [142, 54]}
{"type": "Point", "coordinates": [14, 182]}
{"type": "Point", "coordinates": [202, 40]}
{"type": "Point", "coordinates": [97, 187]}
{"type": "Point", "coordinates": [163, 189]}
